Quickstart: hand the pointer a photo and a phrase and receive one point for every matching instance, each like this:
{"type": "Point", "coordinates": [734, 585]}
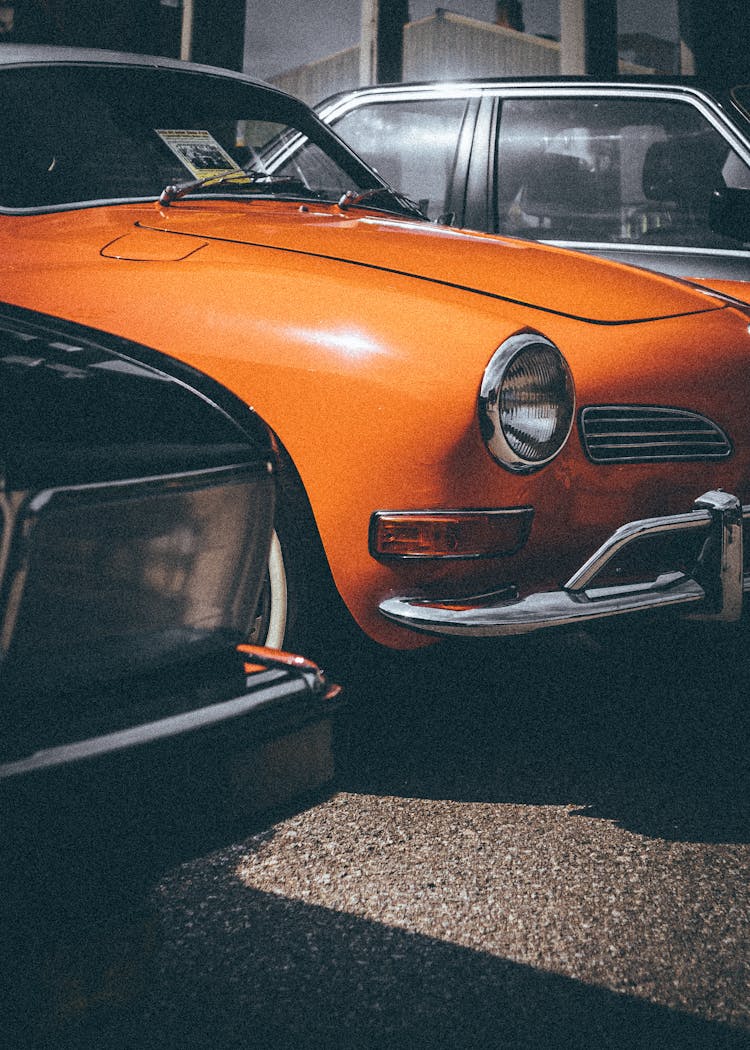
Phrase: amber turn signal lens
{"type": "Point", "coordinates": [449, 533]}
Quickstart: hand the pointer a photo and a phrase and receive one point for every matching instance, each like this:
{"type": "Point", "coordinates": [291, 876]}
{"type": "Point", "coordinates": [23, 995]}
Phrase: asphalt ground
{"type": "Point", "coordinates": [543, 843]}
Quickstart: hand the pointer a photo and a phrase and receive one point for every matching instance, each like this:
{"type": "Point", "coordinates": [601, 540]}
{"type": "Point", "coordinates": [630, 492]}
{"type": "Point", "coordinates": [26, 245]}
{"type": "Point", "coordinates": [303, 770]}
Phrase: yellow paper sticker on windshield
{"type": "Point", "coordinates": [199, 152]}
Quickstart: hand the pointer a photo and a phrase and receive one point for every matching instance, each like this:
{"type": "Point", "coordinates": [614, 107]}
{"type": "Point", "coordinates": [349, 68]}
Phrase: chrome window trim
{"type": "Point", "coordinates": [694, 96]}
{"type": "Point", "coordinates": [648, 249]}
{"type": "Point", "coordinates": [448, 90]}
{"type": "Point", "coordinates": [497, 89]}
{"type": "Point", "coordinates": [673, 93]}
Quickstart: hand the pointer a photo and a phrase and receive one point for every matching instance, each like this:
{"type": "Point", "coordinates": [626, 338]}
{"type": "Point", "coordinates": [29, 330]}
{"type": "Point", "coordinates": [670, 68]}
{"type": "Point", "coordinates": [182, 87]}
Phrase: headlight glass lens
{"type": "Point", "coordinates": [527, 402]}
{"type": "Point", "coordinates": [534, 403]}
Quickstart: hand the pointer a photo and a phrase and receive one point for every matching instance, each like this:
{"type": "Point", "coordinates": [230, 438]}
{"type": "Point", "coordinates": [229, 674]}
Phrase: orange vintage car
{"type": "Point", "coordinates": [479, 436]}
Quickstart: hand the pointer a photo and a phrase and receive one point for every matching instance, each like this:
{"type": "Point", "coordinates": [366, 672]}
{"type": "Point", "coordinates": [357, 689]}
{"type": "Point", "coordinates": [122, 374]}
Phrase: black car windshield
{"type": "Point", "coordinates": [77, 134]}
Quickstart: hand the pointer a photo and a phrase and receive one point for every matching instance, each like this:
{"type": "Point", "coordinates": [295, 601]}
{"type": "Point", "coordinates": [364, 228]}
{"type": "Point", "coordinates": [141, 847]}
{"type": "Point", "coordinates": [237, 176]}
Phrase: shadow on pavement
{"type": "Point", "coordinates": [645, 727]}
{"type": "Point", "coordinates": [649, 731]}
{"type": "Point", "coordinates": [299, 976]}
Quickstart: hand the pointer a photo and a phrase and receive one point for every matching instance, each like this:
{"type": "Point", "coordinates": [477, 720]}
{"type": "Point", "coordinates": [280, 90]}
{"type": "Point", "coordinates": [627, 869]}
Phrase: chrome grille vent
{"type": "Point", "coordinates": [650, 434]}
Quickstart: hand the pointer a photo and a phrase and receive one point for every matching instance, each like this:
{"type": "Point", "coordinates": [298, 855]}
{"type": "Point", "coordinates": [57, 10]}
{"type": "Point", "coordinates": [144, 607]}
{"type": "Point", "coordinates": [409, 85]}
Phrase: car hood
{"type": "Point", "coordinates": [735, 289]}
{"type": "Point", "coordinates": [546, 278]}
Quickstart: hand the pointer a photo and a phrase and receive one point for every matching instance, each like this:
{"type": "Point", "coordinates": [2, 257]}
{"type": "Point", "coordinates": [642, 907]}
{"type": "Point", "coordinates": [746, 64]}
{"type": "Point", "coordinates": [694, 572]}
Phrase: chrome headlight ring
{"type": "Point", "coordinates": [526, 403]}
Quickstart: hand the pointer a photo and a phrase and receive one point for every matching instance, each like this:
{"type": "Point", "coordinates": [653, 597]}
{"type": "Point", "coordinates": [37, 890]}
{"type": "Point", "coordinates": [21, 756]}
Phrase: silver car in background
{"type": "Point", "coordinates": [645, 171]}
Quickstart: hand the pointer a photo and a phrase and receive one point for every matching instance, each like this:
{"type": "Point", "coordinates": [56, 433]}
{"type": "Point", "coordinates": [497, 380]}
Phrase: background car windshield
{"type": "Point", "coordinates": [638, 171]}
{"type": "Point", "coordinates": [77, 134]}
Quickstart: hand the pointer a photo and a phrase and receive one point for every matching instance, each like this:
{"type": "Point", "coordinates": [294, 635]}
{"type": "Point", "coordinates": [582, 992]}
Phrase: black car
{"type": "Point", "coordinates": [646, 171]}
{"type": "Point", "coordinates": [136, 510]}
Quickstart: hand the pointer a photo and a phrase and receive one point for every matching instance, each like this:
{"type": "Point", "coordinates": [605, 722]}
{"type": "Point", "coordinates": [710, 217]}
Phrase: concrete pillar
{"type": "Point", "coordinates": [186, 31]}
{"type": "Point", "coordinates": [687, 37]}
{"type": "Point", "coordinates": [381, 40]}
{"type": "Point", "coordinates": [588, 37]}
{"type": "Point", "coordinates": [572, 37]}
{"type": "Point", "coordinates": [368, 43]}
{"type": "Point", "coordinates": [215, 33]}
{"type": "Point", "coordinates": [715, 38]}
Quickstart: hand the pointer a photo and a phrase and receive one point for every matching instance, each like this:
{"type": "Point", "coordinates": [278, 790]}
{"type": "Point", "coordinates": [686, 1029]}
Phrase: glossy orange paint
{"type": "Point", "coordinates": [736, 289]}
{"type": "Point", "coordinates": [361, 340]}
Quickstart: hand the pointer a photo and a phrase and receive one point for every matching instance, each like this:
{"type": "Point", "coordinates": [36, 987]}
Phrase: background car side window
{"type": "Point", "coordinates": [411, 144]}
{"type": "Point", "coordinates": [620, 171]}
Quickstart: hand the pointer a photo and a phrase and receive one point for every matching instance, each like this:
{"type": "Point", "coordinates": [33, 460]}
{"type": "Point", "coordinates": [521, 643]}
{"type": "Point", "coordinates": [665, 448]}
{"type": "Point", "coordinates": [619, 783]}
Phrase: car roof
{"type": "Point", "coordinates": [674, 82]}
{"type": "Point", "coordinates": [43, 54]}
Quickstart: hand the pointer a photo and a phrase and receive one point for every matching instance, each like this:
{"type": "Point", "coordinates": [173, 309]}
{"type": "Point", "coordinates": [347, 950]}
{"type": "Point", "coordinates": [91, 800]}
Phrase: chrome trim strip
{"type": "Point", "coordinates": [535, 613]}
{"type": "Point", "coordinates": [276, 687]}
{"type": "Point", "coordinates": [332, 110]}
{"type": "Point", "coordinates": [649, 249]}
{"type": "Point", "coordinates": [715, 592]}
{"type": "Point", "coordinates": [630, 533]}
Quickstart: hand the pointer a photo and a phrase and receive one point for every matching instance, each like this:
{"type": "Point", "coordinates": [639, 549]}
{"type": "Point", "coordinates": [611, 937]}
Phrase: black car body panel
{"type": "Point", "coordinates": [136, 523]}
{"type": "Point", "coordinates": [136, 514]}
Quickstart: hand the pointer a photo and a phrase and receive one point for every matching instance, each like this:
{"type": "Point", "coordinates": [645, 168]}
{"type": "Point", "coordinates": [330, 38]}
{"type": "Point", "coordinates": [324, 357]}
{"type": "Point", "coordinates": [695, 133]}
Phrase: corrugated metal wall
{"type": "Point", "coordinates": [447, 46]}
{"type": "Point", "coordinates": [339, 72]}
{"type": "Point", "coordinates": [442, 47]}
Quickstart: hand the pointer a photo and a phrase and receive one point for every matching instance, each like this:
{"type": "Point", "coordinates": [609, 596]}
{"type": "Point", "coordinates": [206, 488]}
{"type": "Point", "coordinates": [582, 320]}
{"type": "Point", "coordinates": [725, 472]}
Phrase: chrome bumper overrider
{"type": "Point", "coordinates": [713, 591]}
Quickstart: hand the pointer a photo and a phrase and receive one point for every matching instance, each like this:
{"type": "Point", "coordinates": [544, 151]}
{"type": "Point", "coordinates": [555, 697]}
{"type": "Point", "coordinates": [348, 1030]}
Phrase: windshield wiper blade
{"type": "Point", "coordinates": [177, 190]}
{"type": "Point", "coordinates": [352, 198]}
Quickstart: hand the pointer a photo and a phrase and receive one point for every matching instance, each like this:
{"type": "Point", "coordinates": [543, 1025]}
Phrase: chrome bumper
{"type": "Point", "coordinates": [714, 590]}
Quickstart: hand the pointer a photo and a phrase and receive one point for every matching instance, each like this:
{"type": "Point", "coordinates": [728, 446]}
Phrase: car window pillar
{"type": "Point", "coordinates": [475, 154]}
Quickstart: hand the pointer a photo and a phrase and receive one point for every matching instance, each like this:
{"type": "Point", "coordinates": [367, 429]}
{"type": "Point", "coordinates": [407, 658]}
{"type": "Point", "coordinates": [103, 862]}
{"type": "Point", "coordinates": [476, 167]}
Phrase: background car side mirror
{"type": "Point", "coordinates": [729, 213]}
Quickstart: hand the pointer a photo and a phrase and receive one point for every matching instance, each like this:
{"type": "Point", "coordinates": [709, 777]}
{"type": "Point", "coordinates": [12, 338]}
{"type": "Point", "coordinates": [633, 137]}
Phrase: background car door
{"type": "Point", "coordinates": [629, 176]}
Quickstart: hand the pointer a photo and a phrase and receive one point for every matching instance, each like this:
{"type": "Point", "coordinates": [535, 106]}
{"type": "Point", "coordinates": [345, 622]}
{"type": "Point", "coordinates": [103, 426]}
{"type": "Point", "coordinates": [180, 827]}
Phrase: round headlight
{"type": "Point", "coordinates": [526, 402]}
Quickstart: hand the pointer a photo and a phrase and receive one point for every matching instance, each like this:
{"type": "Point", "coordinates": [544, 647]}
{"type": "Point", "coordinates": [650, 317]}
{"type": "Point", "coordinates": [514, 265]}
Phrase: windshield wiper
{"type": "Point", "coordinates": [352, 198]}
{"type": "Point", "coordinates": [177, 190]}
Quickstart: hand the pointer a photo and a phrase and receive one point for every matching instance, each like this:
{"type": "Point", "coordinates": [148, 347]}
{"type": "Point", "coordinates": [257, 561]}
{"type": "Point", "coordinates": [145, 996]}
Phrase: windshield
{"type": "Point", "coordinates": [83, 134]}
